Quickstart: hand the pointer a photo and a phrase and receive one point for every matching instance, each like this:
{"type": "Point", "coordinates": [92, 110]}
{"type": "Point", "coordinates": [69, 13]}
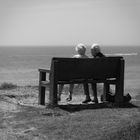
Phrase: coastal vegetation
{"type": "Point", "coordinates": [6, 85]}
{"type": "Point", "coordinates": [22, 118]}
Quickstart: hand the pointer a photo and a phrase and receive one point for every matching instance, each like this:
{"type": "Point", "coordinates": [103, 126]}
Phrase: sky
{"type": "Point", "coordinates": [68, 22]}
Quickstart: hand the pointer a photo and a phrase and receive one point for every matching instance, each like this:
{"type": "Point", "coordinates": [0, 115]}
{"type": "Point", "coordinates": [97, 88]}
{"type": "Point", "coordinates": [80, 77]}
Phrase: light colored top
{"type": "Point", "coordinates": [80, 56]}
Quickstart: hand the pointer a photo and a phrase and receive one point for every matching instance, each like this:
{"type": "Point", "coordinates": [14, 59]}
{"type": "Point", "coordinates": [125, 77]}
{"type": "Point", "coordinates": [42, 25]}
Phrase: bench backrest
{"type": "Point", "coordinates": [65, 69]}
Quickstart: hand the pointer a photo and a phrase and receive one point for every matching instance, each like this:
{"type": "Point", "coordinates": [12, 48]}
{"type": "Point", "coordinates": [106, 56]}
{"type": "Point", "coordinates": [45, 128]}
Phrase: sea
{"type": "Point", "coordinates": [19, 65]}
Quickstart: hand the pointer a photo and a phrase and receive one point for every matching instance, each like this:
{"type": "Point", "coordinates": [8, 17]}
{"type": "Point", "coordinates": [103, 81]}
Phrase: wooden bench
{"type": "Point", "coordinates": [107, 70]}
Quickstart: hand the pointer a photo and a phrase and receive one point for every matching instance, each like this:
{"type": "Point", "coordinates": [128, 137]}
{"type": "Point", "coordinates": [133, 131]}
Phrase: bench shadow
{"type": "Point", "coordinates": [79, 107]}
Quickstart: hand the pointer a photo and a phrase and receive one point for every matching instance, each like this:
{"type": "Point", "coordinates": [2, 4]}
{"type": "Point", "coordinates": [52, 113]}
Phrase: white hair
{"type": "Point", "coordinates": [80, 48]}
{"type": "Point", "coordinates": [96, 47]}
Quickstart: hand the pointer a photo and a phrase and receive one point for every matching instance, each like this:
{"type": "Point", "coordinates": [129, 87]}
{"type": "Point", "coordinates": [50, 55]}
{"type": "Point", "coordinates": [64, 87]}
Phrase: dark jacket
{"type": "Point", "coordinates": [98, 55]}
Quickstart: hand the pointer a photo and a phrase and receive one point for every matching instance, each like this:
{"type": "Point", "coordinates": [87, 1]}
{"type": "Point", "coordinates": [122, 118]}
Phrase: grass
{"type": "Point", "coordinates": [91, 124]}
{"type": "Point", "coordinates": [5, 86]}
{"type": "Point", "coordinates": [69, 121]}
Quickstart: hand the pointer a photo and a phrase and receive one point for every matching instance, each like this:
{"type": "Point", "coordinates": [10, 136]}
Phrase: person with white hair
{"type": "Point", "coordinates": [96, 53]}
{"type": "Point", "coordinates": [81, 50]}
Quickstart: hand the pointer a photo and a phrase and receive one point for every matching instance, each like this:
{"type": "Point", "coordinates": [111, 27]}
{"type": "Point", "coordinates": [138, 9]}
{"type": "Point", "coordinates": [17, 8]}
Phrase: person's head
{"type": "Point", "coordinates": [80, 48]}
{"type": "Point", "coordinates": [95, 49]}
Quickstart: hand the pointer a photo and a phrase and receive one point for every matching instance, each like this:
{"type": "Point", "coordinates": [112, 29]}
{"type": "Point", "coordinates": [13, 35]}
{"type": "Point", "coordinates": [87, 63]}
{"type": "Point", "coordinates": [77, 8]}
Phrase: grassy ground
{"type": "Point", "coordinates": [22, 119]}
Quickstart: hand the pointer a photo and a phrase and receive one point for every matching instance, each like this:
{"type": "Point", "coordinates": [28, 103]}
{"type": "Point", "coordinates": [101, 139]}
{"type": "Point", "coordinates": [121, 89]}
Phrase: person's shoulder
{"type": "Point", "coordinates": [76, 56]}
{"type": "Point", "coordinates": [100, 54]}
{"type": "Point", "coordinates": [80, 56]}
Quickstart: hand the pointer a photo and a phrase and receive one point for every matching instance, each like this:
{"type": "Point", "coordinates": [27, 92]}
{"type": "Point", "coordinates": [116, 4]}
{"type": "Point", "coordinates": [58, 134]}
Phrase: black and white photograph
{"type": "Point", "coordinates": [69, 69]}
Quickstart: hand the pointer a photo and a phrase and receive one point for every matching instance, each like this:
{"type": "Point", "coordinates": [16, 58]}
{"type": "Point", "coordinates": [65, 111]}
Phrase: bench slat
{"type": "Point", "coordinates": [44, 70]}
{"type": "Point", "coordinates": [47, 83]}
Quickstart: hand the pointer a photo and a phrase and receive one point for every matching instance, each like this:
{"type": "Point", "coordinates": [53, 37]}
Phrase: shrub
{"type": "Point", "coordinates": [6, 85]}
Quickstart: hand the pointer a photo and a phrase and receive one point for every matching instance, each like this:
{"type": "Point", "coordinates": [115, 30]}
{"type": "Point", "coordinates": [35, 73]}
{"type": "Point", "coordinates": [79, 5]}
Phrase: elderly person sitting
{"type": "Point", "coordinates": [96, 53]}
{"type": "Point", "coordinates": [81, 50]}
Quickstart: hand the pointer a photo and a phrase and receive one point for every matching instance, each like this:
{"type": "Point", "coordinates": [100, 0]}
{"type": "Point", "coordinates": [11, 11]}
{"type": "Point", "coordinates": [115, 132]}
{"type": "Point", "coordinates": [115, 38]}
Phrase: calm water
{"type": "Point", "coordinates": [20, 64]}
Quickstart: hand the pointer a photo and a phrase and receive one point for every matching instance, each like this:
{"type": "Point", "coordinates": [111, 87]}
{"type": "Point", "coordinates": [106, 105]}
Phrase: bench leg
{"type": "Point", "coordinates": [41, 98]}
{"type": "Point", "coordinates": [53, 95]}
{"type": "Point", "coordinates": [120, 85]}
{"type": "Point", "coordinates": [119, 93]}
{"type": "Point", "coordinates": [106, 88]}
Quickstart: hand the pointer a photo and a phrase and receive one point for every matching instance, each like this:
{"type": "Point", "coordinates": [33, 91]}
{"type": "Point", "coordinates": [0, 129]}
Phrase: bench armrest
{"type": "Point", "coordinates": [44, 70]}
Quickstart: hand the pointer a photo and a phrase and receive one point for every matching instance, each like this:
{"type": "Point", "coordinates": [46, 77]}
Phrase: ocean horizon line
{"type": "Point", "coordinates": [36, 46]}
